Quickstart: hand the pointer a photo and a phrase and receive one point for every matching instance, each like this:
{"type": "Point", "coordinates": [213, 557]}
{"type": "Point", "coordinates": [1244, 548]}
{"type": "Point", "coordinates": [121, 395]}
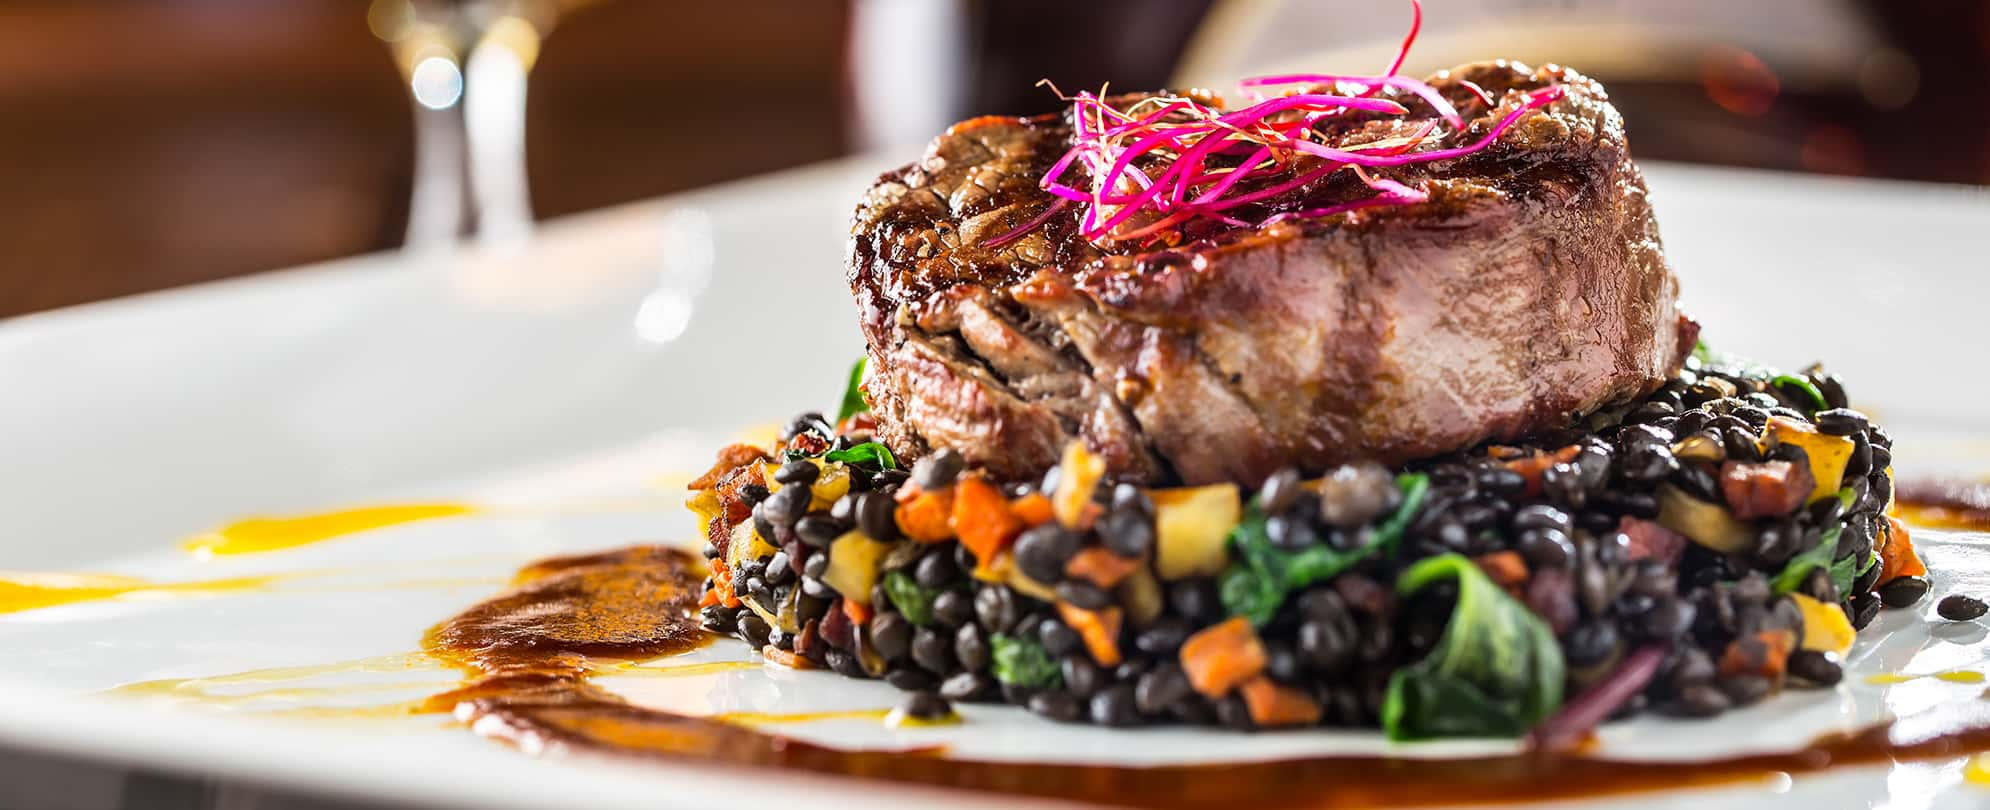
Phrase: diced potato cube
{"type": "Point", "coordinates": [1705, 523]}
{"type": "Point", "coordinates": [1191, 525]}
{"type": "Point", "coordinates": [1825, 627]}
{"type": "Point", "coordinates": [853, 565]}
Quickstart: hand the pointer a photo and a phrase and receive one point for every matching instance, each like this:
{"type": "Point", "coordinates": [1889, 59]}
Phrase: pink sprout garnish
{"type": "Point", "coordinates": [1165, 161]}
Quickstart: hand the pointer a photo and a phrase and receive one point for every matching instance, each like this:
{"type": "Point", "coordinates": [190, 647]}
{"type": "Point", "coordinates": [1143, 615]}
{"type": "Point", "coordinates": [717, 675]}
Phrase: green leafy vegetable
{"type": "Point", "coordinates": [1257, 583]}
{"type": "Point", "coordinates": [1023, 662]}
{"type": "Point", "coordinates": [1495, 673]}
{"type": "Point", "coordinates": [1791, 577]}
{"type": "Point", "coordinates": [868, 454]}
{"type": "Point", "coordinates": [913, 600]}
{"type": "Point", "coordinates": [1803, 384]}
{"type": "Point", "coordinates": [853, 393]}
{"type": "Point", "coordinates": [1704, 353]}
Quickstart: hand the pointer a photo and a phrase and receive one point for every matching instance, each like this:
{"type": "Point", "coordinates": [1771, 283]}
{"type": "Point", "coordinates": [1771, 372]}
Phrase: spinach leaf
{"type": "Point", "coordinates": [853, 392]}
{"type": "Point", "coordinates": [1256, 584]}
{"type": "Point", "coordinates": [1803, 384]}
{"type": "Point", "coordinates": [913, 600]}
{"type": "Point", "coordinates": [868, 454]}
{"type": "Point", "coordinates": [1847, 571]}
{"type": "Point", "coordinates": [1791, 577]}
{"type": "Point", "coordinates": [1703, 353]}
{"type": "Point", "coordinates": [1023, 662]}
{"type": "Point", "coordinates": [1495, 673]}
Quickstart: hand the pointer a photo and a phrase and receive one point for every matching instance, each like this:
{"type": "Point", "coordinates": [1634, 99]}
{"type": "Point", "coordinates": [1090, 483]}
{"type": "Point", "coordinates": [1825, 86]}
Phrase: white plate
{"type": "Point", "coordinates": [573, 384]}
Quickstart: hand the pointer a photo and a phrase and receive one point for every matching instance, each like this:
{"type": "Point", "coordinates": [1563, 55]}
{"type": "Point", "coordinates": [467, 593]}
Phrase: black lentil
{"type": "Point", "coordinates": [1960, 608]}
{"type": "Point", "coordinates": [1903, 591]}
{"type": "Point", "coordinates": [1042, 552]}
{"type": "Point", "coordinates": [938, 469]}
{"type": "Point", "coordinates": [926, 705]}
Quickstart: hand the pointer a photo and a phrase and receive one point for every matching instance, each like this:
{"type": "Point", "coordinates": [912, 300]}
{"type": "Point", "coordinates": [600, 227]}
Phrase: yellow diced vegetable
{"type": "Point", "coordinates": [746, 545]}
{"type": "Point", "coordinates": [832, 484]}
{"type": "Point", "coordinates": [1705, 523]}
{"type": "Point", "coordinates": [1191, 525]}
{"type": "Point", "coordinates": [1828, 454]}
{"type": "Point", "coordinates": [1825, 627]}
{"type": "Point", "coordinates": [1078, 475]}
{"type": "Point", "coordinates": [853, 565]}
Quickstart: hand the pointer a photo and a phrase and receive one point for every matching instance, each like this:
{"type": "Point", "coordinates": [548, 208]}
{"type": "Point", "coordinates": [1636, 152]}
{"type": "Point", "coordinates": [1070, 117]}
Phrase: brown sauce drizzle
{"type": "Point", "coordinates": [530, 652]}
{"type": "Point", "coordinates": [1945, 503]}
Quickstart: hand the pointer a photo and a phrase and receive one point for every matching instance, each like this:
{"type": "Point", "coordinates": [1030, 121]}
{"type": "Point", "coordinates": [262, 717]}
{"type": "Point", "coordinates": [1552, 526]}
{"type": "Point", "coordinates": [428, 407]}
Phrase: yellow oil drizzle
{"type": "Point", "coordinates": [216, 692]}
{"type": "Point", "coordinates": [1951, 676]}
{"type": "Point", "coordinates": [683, 670]}
{"type": "Point", "coordinates": [259, 534]}
{"type": "Point", "coordinates": [1977, 772]}
{"type": "Point", "coordinates": [28, 591]}
{"type": "Point", "coordinates": [771, 718]}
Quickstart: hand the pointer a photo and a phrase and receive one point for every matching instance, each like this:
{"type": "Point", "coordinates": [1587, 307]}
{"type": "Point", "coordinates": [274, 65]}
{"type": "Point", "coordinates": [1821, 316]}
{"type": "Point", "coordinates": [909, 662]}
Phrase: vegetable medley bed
{"type": "Point", "coordinates": [1699, 549]}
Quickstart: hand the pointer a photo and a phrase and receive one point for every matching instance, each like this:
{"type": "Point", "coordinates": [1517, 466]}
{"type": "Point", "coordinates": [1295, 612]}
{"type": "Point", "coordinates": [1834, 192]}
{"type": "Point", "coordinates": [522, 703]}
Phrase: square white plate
{"type": "Point", "coordinates": [573, 386]}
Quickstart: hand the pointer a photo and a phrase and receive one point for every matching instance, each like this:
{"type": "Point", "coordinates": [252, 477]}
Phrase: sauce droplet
{"type": "Point", "coordinates": [261, 534]}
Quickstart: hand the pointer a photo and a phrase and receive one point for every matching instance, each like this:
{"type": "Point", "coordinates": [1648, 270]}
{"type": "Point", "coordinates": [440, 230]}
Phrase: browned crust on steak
{"type": "Point", "coordinates": [1531, 287]}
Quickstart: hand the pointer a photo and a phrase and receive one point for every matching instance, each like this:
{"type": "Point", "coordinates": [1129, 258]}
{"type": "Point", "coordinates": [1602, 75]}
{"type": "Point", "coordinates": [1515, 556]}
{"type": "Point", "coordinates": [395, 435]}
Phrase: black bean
{"type": "Point", "coordinates": [1195, 599]}
{"type": "Point", "coordinates": [1740, 444]}
{"type": "Point", "coordinates": [936, 569]}
{"type": "Point", "coordinates": [1114, 707]}
{"type": "Point", "coordinates": [844, 663]}
{"type": "Point", "coordinates": [925, 705]}
{"type": "Point", "coordinates": [757, 588]}
{"type": "Point", "coordinates": [971, 647]}
{"type": "Point", "coordinates": [1817, 585]}
{"type": "Point", "coordinates": [877, 516]}
{"type": "Point", "coordinates": [1131, 498]}
{"type": "Point", "coordinates": [1083, 594]}
{"type": "Point", "coordinates": [953, 608]}
{"type": "Point", "coordinates": [1668, 619]}
{"type": "Point", "coordinates": [1866, 581]}
{"type": "Point", "coordinates": [1131, 669]}
{"type": "Point", "coordinates": [1542, 516]}
{"type": "Point", "coordinates": [1880, 438]}
{"type": "Point", "coordinates": [1354, 494]}
{"type": "Point", "coordinates": [933, 650]}
{"type": "Point", "coordinates": [1127, 533]}
{"type": "Point", "coordinates": [909, 679]}
{"type": "Point", "coordinates": [1882, 456]}
{"type": "Point", "coordinates": [938, 469]}
{"type": "Point", "coordinates": [1648, 464]}
{"type": "Point", "coordinates": [1546, 548]}
{"type": "Point", "coordinates": [890, 635]}
{"type": "Point", "coordinates": [711, 551]}
{"type": "Point", "coordinates": [753, 494]}
{"type": "Point", "coordinates": [780, 571]}
{"type": "Point", "coordinates": [818, 531]}
{"type": "Point", "coordinates": [967, 687]}
{"type": "Point", "coordinates": [1327, 646]}
{"type": "Point", "coordinates": [1162, 688]}
{"type": "Point", "coordinates": [1042, 552]}
{"type": "Point", "coordinates": [1819, 668]}
{"type": "Point", "coordinates": [1499, 480]}
{"type": "Point", "coordinates": [815, 587]}
{"type": "Point", "coordinates": [1561, 484]}
{"type": "Point", "coordinates": [1081, 676]}
{"type": "Point", "coordinates": [1745, 690]}
{"type": "Point", "coordinates": [1699, 482]}
{"type": "Point", "coordinates": [1692, 421]}
{"type": "Point", "coordinates": [807, 422]}
{"type": "Point", "coordinates": [1863, 608]}
{"type": "Point", "coordinates": [719, 618]}
{"type": "Point", "coordinates": [1690, 666]}
{"type": "Point", "coordinates": [1162, 638]}
{"type": "Point", "coordinates": [1960, 608]}
{"type": "Point", "coordinates": [1825, 513]}
{"type": "Point", "coordinates": [1698, 700]}
{"type": "Point", "coordinates": [1290, 532]}
{"type": "Point", "coordinates": [1058, 637]}
{"type": "Point", "coordinates": [1860, 462]}
{"type": "Point", "coordinates": [1056, 705]}
{"type": "Point", "coordinates": [797, 473]}
{"type": "Point", "coordinates": [753, 628]}
{"type": "Point", "coordinates": [1840, 422]}
{"type": "Point", "coordinates": [785, 507]}
{"type": "Point", "coordinates": [1903, 591]}
{"type": "Point", "coordinates": [1232, 713]}
{"type": "Point", "coordinates": [1279, 491]}
{"type": "Point", "coordinates": [1591, 642]}
{"type": "Point", "coordinates": [995, 608]}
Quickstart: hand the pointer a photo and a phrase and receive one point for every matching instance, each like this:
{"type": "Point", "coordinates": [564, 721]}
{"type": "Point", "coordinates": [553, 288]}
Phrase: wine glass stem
{"type": "Point", "coordinates": [438, 212]}
{"type": "Point", "coordinates": [494, 112]}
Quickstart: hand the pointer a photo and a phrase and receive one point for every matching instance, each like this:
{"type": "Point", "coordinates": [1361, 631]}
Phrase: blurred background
{"type": "Point", "coordinates": [146, 144]}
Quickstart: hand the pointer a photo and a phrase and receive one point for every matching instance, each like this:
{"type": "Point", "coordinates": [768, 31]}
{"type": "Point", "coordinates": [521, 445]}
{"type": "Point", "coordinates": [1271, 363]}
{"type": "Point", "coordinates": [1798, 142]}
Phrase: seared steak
{"type": "Point", "coordinates": [1530, 287]}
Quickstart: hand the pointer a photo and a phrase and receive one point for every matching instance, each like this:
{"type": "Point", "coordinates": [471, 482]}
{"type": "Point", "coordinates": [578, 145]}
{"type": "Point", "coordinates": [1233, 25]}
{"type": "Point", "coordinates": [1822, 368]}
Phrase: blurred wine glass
{"type": "Point", "coordinates": [465, 63]}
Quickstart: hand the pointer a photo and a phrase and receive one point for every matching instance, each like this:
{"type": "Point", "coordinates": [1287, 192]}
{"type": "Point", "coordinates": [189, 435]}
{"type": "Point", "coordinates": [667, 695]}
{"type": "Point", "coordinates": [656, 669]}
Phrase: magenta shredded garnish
{"type": "Point", "coordinates": [1165, 161]}
{"type": "Point", "coordinates": [1569, 724]}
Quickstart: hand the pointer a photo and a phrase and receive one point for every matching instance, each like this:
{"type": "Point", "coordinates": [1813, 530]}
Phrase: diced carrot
{"type": "Point", "coordinates": [1272, 705]}
{"type": "Point", "coordinates": [1100, 567]}
{"type": "Point", "coordinates": [1766, 653]}
{"type": "Point", "coordinates": [1531, 467]}
{"type": "Point", "coordinates": [1505, 568]}
{"type": "Point", "coordinates": [722, 585]}
{"type": "Point", "coordinates": [1033, 509]}
{"type": "Point", "coordinates": [1896, 555]}
{"type": "Point", "coordinates": [982, 519]}
{"type": "Point", "coordinates": [1222, 656]}
{"type": "Point", "coordinates": [1098, 628]}
{"type": "Point", "coordinates": [858, 614]}
{"type": "Point", "coordinates": [927, 516]}
{"type": "Point", "coordinates": [776, 655]}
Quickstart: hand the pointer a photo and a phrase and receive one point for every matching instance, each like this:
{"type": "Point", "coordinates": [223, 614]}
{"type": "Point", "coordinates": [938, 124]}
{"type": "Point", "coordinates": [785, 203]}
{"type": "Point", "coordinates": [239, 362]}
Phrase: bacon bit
{"type": "Point", "coordinates": [1896, 554]}
{"type": "Point", "coordinates": [1272, 705]}
{"type": "Point", "coordinates": [1765, 489]}
{"type": "Point", "coordinates": [858, 614]}
{"type": "Point", "coordinates": [1099, 629]}
{"type": "Point", "coordinates": [808, 443]}
{"type": "Point", "coordinates": [1505, 568]}
{"type": "Point", "coordinates": [1651, 541]}
{"type": "Point", "coordinates": [806, 640]}
{"type": "Point", "coordinates": [776, 655]}
{"type": "Point", "coordinates": [836, 628]}
{"type": "Point", "coordinates": [733, 457]}
{"type": "Point", "coordinates": [926, 516]}
{"type": "Point", "coordinates": [1100, 567]}
{"type": "Point", "coordinates": [1766, 653]}
{"type": "Point", "coordinates": [1034, 509]}
{"type": "Point", "coordinates": [982, 518]}
{"type": "Point", "coordinates": [1221, 656]}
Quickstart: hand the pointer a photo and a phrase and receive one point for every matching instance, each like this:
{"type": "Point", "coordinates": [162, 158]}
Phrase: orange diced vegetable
{"type": "Point", "coordinates": [722, 586]}
{"type": "Point", "coordinates": [1078, 476]}
{"type": "Point", "coordinates": [926, 516]}
{"type": "Point", "coordinates": [1530, 467]}
{"type": "Point", "coordinates": [982, 519]}
{"type": "Point", "coordinates": [1272, 705]}
{"type": "Point", "coordinates": [1896, 554]}
{"type": "Point", "coordinates": [1033, 509]}
{"type": "Point", "coordinates": [1766, 653]}
{"type": "Point", "coordinates": [1505, 568]}
{"type": "Point", "coordinates": [1100, 567]}
{"type": "Point", "coordinates": [785, 658]}
{"type": "Point", "coordinates": [1222, 656]}
{"type": "Point", "coordinates": [857, 613]}
{"type": "Point", "coordinates": [1098, 628]}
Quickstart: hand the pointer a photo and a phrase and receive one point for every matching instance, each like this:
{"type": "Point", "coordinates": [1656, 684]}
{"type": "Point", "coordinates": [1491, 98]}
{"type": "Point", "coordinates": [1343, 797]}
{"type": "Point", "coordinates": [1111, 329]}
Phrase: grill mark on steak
{"type": "Point", "coordinates": [1531, 287]}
